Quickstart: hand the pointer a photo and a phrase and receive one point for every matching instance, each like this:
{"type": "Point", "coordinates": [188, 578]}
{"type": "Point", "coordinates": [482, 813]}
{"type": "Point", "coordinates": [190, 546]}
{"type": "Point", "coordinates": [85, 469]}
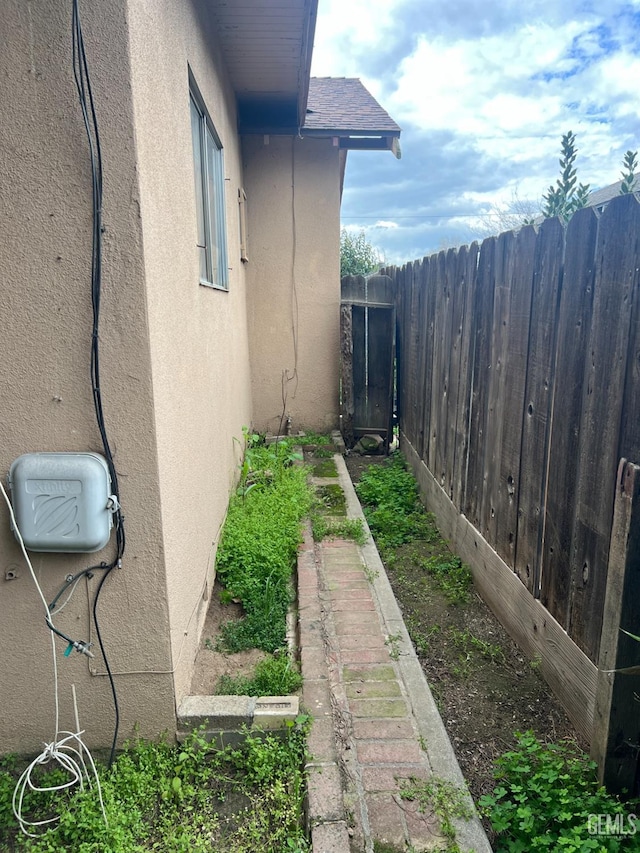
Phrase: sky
{"type": "Point", "coordinates": [483, 91]}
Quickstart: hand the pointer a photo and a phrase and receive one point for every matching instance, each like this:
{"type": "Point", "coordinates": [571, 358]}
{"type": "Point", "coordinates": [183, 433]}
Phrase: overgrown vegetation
{"type": "Point", "coordinates": [179, 799]}
{"type": "Point", "coordinates": [276, 675]}
{"type": "Point", "coordinates": [389, 495]}
{"type": "Point", "coordinates": [348, 528]}
{"type": "Point", "coordinates": [259, 544]}
{"type": "Point", "coordinates": [442, 798]}
{"type": "Point", "coordinates": [548, 798]}
{"type": "Point", "coordinates": [395, 515]}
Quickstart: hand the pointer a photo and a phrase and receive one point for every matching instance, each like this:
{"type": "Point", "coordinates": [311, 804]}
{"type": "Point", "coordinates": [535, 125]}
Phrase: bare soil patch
{"type": "Point", "coordinates": [485, 688]}
{"type": "Point", "coordinates": [211, 664]}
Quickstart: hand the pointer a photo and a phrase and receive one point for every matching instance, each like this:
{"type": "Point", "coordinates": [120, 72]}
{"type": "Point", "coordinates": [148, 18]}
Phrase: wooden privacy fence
{"type": "Point", "coordinates": [518, 394]}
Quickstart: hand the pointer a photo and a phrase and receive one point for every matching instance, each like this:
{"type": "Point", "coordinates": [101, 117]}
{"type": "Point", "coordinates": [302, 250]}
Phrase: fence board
{"type": "Point", "coordinates": [425, 348]}
{"type": "Point", "coordinates": [467, 271]}
{"type": "Point", "coordinates": [538, 397]}
{"type": "Point", "coordinates": [346, 368]}
{"type": "Point", "coordinates": [630, 426]}
{"type": "Point", "coordinates": [496, 402]}
{"type": "Point", "coordinates": [616, 727]}
{"type": "Point", "coordinates": [482, 312]}
{"type": "Point", "coordinates": [616, 261]}
{"type": "Point", "coordinates": [412, 364]}
{"type": "Point", "coordinates": [574, 324]}
{"type": "Point", "coordinates": [515, 367]}
{"type": "Point", "coordinates": [457, 320]}
{"type": "Point", "coordinates": [441, 357]}
{"type": "Point", "coordinates": [400, 301]}
{"type": "Point", "coordinates": [423, 401]}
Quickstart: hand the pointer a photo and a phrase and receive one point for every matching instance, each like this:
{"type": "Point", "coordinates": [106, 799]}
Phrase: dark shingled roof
{"type": "Point", "coordinates": [344, 105]}
{"type": "Point", "coordinates": [602, 196]}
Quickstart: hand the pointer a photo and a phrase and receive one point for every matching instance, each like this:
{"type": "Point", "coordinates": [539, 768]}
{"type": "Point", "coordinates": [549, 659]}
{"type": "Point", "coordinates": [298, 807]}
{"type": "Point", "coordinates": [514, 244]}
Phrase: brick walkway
{"type": "Point", "coordinates": [375, 724]}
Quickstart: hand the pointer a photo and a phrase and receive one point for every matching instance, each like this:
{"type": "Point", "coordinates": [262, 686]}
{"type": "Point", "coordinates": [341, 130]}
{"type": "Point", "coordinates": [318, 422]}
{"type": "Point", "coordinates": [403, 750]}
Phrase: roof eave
{"type": "Point", "coordinates": [358, 140]}
{"type": "Point", "coordinates": [307, 55]}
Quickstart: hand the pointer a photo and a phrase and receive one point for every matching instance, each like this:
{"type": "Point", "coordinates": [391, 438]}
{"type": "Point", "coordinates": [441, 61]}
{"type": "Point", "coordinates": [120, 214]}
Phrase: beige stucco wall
{"type": "Point", "coordinates": [293, 279]}
{"type": "Point", "coordinates": [175, 366]}
{"type": "Point", "coordinates": [198, 335]}
{"type": "Point", "coordinates": [45, 309]}
{"type": "Point", "coordinates": [184, 367]}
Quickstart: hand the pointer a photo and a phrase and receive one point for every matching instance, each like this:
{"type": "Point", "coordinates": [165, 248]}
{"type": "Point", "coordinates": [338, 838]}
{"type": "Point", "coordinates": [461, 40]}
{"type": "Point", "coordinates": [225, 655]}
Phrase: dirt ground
{"type": "Point", "coordinates": [211, 664]}
{"type": "Point", "coordinates": [484, 686]}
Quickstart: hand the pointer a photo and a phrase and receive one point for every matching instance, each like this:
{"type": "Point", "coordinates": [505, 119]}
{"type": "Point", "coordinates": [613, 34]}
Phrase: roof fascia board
{"type": "Point", "coordinates": [311, 8]}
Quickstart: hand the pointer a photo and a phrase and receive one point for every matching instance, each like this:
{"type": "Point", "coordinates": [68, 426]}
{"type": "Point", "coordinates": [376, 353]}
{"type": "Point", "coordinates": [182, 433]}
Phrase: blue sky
{"type": "Point", "coordinates": [483, 92]}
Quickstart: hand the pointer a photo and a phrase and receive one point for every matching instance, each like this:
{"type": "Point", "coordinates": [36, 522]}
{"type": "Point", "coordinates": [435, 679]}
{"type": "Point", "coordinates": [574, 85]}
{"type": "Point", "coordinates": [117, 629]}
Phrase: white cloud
{"type": "Point", "coordinates": [483, 92]}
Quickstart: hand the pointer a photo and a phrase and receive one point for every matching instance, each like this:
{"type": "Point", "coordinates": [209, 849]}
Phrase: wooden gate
{"type": "Point", "coordinates": [367, 346]}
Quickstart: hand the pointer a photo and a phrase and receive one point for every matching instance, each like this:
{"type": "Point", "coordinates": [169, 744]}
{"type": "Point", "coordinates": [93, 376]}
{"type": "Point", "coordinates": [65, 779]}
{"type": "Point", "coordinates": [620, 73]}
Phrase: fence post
{"type": "Point", "coordinates": [346, 373]}
{"type": "Point", "coordinates": [616, 741]}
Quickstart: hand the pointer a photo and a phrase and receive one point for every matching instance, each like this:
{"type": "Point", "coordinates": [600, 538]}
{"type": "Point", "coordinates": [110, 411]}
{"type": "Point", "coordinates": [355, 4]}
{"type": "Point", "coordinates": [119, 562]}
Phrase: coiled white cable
{"type": "Point", "coordinates": [67, 748]}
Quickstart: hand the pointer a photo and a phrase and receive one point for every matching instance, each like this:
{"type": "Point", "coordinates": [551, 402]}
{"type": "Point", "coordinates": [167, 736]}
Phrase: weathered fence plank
{"type": "Point", "coordinates": [496, 401]}
{"type": "Point", "coordinates": [482, 314]}
{"type": "Point", "coordinates": [467, 271]}
{"type": "Point", "coordinates": [441, 358]}
{"type": "Point", "coordinates": [412, 362]}
{"type": "Point", "coordinates": [616, 740]}
{"type": "Point", "coordinates": [616, 261]}
{"type": "Point", "coordinates": [538, 396]}
{"type": "Point", "coordinates": [346, 367]}
{"type": "Point", "coordinates": [574, 325]}
{"type": "Point", "coordinates": [425, 352]}
{"type": "Point", "coordinates": [515, 368]}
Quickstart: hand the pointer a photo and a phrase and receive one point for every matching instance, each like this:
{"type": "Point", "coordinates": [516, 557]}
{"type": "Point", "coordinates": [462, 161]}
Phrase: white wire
{"type": "Point", "coordinates": [69, 757]}
{"type": "Point", "coordinates": [67, 599]}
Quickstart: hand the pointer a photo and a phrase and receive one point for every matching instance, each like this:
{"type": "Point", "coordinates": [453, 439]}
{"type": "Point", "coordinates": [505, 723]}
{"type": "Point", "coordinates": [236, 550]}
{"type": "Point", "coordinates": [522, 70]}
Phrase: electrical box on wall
{"type": "Point", "coordinates": [62, 501]}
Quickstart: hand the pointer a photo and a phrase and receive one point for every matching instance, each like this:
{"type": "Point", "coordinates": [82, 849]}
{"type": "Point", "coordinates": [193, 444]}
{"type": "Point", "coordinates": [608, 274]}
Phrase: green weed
{"type": "Point", "coordinates": [159, 797]}
{"type": "Point", "coordinates": [259, 545]}
{"type": "Point", "coordinates": [331, 499]}
{"type": "Point", "coordinates": [393, 643]}
{"type": "Point", "coordinates": [468, 643]}
{"type": "Point", "coordinates": [314, 439]}
{"type": "Point", "coordinates": [276, 675]}
{"type": "Point", "coordinates": [442, 798]}
{"type": "Point", "coordinates": [420, 637]}
{"type": "Point", "coordinates": [546, 799]}
{"type": "Point", "coordinates": [452, 576]}
{"type": "Point", "coordinates": [350, 528]}
{"type": "Point", "coordinates": [389, 495]}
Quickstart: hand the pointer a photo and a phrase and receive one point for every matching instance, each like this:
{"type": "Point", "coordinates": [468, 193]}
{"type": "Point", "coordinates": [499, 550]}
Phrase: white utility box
{"type": "Point", "coordinates": [62, 501]}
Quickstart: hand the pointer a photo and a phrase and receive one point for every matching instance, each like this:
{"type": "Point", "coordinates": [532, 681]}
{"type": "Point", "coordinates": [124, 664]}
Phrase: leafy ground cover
{"type": "Point", "coordinates": [245, 632]}
{"type": "Point", "coordinates": [259, 545]}
{"type": "Point", "coordinates": [485, 688]}
{"type": "Point", "coordinates": [176, 799]}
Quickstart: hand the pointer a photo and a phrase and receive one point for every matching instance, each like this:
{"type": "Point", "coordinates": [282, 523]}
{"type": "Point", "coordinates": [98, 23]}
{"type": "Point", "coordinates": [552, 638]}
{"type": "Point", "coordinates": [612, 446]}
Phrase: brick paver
{"type": "Point", "coordinates": [367, 729]}
{"type": "Point", "coordinates": [364, 741]}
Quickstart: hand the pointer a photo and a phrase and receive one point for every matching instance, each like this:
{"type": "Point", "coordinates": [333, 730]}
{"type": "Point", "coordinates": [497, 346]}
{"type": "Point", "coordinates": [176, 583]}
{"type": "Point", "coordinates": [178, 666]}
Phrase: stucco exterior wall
{"type": "Point", "coordinates": [197, 335]}
{"type": "Point", "coordinates": [184, 367]}
{"type": "Point", "coordinates": [45, 309]}
{"type": "Point", "coordinates": [293, 190]}
{"type": "Point", "coordinates": [175, 363]}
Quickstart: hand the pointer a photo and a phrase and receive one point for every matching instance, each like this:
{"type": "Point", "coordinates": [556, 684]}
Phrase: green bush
{"type": "Point", "coordinates": [547, 798]}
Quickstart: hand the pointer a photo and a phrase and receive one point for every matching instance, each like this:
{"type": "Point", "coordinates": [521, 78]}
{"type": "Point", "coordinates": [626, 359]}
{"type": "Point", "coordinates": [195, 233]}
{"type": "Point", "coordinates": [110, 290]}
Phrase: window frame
{"type": "Point", "coordinates": [209, 180]}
